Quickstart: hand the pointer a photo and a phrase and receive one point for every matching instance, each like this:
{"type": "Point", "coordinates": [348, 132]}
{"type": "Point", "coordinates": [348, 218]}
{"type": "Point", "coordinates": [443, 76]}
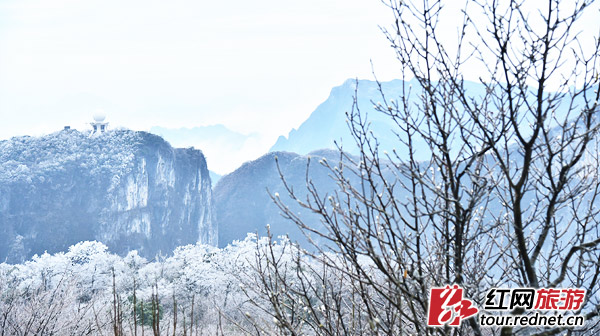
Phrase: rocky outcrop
{"type": "Point", "coordinates": [129, 190]}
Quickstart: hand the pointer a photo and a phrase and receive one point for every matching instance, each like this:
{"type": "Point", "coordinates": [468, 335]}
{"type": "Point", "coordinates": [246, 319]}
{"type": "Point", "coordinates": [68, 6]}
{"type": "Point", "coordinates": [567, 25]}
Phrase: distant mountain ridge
{"type": "Point", "coordinates": [327, 124]}
{"type": "Point", "coordinates": [129, 190]}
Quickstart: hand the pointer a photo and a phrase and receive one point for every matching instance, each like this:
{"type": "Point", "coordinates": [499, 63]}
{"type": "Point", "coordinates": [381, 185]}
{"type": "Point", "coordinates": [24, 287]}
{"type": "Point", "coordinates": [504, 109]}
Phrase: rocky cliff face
{"type": "Point", "coordinates": [129, 190]}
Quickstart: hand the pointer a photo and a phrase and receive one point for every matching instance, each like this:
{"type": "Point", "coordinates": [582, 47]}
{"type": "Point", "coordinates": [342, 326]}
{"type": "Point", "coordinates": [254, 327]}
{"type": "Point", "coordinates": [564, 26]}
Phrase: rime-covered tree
{"type": "Point", "coordinates": [507, 196]}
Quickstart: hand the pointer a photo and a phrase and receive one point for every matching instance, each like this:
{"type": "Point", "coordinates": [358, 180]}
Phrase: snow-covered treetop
{"type": "Point", "coordinates": [26, 158]}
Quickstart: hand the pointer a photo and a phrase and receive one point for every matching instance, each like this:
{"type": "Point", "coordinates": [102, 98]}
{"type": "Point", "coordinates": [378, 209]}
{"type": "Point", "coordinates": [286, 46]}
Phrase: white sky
{"type": "Point", "coordinates": [255, 66]}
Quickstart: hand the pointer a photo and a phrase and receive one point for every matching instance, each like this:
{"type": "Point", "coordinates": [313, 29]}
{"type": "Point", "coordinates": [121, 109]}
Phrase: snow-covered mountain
{"type": "Point", "coordinates": [129, 190]}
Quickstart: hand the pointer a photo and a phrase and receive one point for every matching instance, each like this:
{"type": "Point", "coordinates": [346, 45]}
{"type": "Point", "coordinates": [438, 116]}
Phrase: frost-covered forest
{"type": "Point", "coordinates": [34, 158]}
{"type": "Point", "coordinates": [199, 290]}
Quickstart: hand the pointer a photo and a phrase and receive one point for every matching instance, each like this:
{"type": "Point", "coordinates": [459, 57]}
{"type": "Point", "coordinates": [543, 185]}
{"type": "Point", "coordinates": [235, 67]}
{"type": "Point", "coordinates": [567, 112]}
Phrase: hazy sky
{"type": "Point", "coordinates": [255, 66]}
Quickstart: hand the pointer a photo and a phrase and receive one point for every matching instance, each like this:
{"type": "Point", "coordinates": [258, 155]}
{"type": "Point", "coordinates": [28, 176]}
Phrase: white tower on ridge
{"type": "Point", "coordinates": [99, 125]}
